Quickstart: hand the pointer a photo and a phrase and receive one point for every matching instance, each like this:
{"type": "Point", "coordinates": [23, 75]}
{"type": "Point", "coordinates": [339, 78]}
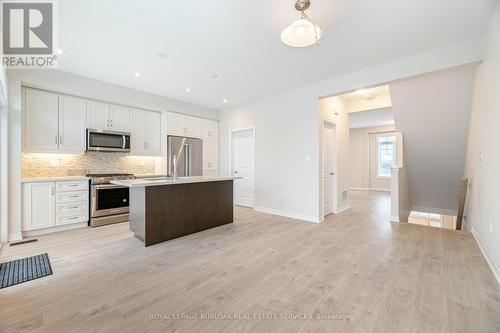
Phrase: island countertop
{"type": "Point", "coordinates": [160, 181]}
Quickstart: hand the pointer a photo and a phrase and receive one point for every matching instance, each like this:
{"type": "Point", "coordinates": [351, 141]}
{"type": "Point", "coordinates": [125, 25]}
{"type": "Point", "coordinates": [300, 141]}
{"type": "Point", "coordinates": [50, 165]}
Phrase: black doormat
{"type": "Point", "coordinates": [23, 270]}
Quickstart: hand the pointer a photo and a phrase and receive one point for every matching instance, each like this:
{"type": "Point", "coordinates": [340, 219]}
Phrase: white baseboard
{"type": "Point", "coordinates": [379, 189]}
{"type": "Point", "coordinates": [342, 209]}
{"type": "Point", "coordinates": [494, 268]}
{"type": "Point", "coordinates": [394, 218]}
{"type": "Point", "coordinates": [293, 215]}
{"type": "Point", "coordinates": [15, 236]}
{"type": "Point", "coordinates": [359, 189]}
{"type": "Point", "coordinates": [38, 232]}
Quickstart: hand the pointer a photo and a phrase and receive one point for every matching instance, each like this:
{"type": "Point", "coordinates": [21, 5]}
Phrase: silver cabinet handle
{"type": "Point", "coordinates": [53, 190]}
{"type": "Point", "coordinates": [73, 218]}
{"type": "Point", "coordinates": [60, 140]}
{"type": "Point", "coordinates": [332, 173]}
{"type": "Point", "coordinates": [236, 172]}
{"type": "Point", "coordinates": [111, 122]}
{"type": "Point", "coordinates": [57, 140]}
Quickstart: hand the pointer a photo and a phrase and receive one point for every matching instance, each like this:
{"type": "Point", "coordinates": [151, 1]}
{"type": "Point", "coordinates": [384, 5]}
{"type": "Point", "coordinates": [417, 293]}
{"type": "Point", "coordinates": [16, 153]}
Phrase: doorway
{"type": "Point", "coordinates": [329, 153]}
{"type": "Point", "coordinates": [242, 161]}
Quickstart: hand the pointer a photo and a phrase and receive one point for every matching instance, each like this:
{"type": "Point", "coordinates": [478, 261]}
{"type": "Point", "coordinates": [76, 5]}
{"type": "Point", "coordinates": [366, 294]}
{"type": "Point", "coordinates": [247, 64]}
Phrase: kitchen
{"type": "Point", "coordinates": [74, 147]}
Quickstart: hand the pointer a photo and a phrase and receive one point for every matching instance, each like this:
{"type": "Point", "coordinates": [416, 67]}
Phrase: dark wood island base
{"type": "Point", "coordinates": [164, 212]}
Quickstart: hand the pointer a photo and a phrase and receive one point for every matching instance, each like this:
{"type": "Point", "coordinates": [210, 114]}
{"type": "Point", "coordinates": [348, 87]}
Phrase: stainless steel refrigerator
{"type": "Point", "coordinates": [188, 153]}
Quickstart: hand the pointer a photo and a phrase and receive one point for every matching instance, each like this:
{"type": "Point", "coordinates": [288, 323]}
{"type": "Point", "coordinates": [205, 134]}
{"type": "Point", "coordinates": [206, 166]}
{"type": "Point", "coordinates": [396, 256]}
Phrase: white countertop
{"type": "Point", "coordinates": [152, 181]}
{"type": "Point", "coordinates": [53, 179]}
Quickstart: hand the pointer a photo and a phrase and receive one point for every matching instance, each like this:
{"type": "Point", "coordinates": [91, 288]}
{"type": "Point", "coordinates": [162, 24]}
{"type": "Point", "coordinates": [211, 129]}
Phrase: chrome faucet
{"type": "Point", "coordinates": [174, 162]}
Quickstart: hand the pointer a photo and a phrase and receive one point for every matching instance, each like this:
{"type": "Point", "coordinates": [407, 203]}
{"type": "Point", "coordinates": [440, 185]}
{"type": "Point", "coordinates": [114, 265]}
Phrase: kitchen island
{"type": "Point", "coordinates": [164, 208]}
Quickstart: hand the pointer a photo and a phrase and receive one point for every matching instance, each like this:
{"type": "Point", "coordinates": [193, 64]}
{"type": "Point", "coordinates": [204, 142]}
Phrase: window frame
{"type": "Point", "coordinates": [380, 140]}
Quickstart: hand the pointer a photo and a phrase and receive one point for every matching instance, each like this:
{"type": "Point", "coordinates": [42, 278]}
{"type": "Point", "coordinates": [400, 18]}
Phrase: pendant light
{"type": "Point", "coordinates": [302, 32]}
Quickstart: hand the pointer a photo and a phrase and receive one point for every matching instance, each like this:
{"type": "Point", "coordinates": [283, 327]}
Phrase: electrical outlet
{"type": "Point", "coordinates": [54, 163]}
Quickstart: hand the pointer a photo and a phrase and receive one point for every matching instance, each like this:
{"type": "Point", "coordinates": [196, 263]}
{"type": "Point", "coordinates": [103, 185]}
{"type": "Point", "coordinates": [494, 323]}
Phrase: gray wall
{"type": "Point", "coordinates": [432, 111]}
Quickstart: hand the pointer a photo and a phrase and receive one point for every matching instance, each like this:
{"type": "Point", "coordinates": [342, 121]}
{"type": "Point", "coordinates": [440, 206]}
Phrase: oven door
{"type": "Point", "coordinates": [109, 199]}
{"type": "Point", "coordinates": [101, 140]}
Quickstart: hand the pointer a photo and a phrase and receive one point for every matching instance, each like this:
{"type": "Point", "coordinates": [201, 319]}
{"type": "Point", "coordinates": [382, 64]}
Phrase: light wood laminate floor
{"type": "Point", "coordinates": [387, 277]}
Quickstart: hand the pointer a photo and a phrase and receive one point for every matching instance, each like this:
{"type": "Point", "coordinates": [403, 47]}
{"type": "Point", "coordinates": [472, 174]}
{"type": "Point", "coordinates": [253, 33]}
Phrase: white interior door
{"type": "Point", "coordinates": [329, 172]}
{"type": "Point", "coordinates": [243, 165]}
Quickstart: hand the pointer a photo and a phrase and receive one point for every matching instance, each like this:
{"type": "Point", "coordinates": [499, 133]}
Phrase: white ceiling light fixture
{"type": "Point", "coordinates": [224, 101]}
{"type": "Point", "coordinates": [188, 90]}
{"type": "Point", "coordinates": [137, 74]}
{"type": "Point", "coordinates": [302, 32]}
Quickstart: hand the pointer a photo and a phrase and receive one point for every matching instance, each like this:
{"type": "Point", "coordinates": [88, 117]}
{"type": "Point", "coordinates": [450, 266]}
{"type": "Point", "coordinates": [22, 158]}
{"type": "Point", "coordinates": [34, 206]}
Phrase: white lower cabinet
{"type": "Point", "coordinates": [210, 173]}
{"type": "Point", "coordinates": [52, 204]}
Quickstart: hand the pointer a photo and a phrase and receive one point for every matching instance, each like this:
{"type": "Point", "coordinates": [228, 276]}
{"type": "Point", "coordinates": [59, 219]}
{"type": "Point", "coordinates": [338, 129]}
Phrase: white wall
{"type": "Point", "coordinates": [432, 111]}
{"type": "Point", "coordinates": [288, 128]}
{"type": "Point", "coordinates": [359, 156]}
{"type": "Point", "coordinates": [483, 206]}
{"type": "Point", "coordinates": [80, 86]}
{"type": "Point", "coordinates": [3, 157]}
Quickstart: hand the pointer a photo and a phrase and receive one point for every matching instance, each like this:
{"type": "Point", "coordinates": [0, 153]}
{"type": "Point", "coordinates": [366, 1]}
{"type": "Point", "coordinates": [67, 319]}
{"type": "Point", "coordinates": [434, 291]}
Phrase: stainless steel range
{"type": "Point", "coordinates": [108, 202]}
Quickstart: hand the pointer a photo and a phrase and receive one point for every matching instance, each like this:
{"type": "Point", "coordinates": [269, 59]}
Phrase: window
{"type": "Point", "coordinates": [386, 155]}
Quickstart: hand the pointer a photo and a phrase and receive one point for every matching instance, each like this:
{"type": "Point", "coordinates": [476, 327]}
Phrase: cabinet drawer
{"type": "Point", "coordinates": [210, 173]}
{"type": "Point", "coordinates": [70, 209]}
{"type": "Point", "coordinates": [76, 218]}
{"type": "Point", "coordinates": [68, 186]}
{"type": "Point", "coordinates": [80, 196]}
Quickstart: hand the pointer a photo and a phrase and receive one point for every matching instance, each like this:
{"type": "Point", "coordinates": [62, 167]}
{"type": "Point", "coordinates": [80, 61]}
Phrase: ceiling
{"type": "Point", "coordinates": [371, 118]}
{"type": "Point", "coordinates": [367, 94]}
{"type": "Point", "coordinates": [239, 42]}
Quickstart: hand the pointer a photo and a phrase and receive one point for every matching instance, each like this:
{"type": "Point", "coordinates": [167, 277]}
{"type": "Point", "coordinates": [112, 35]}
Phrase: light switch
{"type": "Point", "coordinates": [307, 159]}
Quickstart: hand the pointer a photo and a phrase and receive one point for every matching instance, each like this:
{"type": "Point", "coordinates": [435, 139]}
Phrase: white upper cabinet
{"type": "Point", "coordinates": [153, 134]}
{"type": "Point", "coordinates": [176, 124]}
{"type": "Point", "coordinates": [108, 116]}
{"type": "Point", "coordinates": [71, 124]}
{"type": "Point", "coordinates": [193, 127]}
{"type": "Point", "coordinates": [210, 130]}
{"type": "Point", "coordinates": [182, 125]}
{"type": "Point", "coordinates": [54, 123]}
{"type": "Point", "coordinates": [146, 133]}
{"type": "Point", "coordinates": [210, 155]}
{"type": "Point", "coordinates": [42, 121]}
{"type": "Point", "coordinates": [119, 118]}
{"type": "Point", "coordinates": [138, 135]}
{"type": "Point", "coordinates": [97, 115]}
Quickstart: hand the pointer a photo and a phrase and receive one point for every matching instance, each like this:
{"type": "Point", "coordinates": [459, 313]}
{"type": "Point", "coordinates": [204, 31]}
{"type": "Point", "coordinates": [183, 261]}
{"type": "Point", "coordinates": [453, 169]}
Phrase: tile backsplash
{"type": "Point", "coordinates": [58, 165]}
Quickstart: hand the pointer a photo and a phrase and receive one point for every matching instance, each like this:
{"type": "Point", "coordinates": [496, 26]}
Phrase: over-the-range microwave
{"type": "Point", "coordinates": [112, 141]}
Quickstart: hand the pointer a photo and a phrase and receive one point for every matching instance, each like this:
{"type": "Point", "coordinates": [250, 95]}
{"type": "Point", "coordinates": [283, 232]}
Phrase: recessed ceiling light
{"type": "Point", "coordinates": [188, 70]}
{"type": "Point", "coordinates": [188, 90]}
{"type": "Point", "coordinates": [162, 55]}
{"type": "Point", "coordinates": [137, 74]}
{"type": "Point", "coordinates": [224, 100]}
{"type": "Point", "coordinates": [60, 52]}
